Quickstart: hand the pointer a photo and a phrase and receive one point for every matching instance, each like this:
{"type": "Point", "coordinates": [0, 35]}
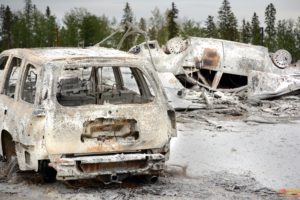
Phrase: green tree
{"type": "Point", "coordinates": [112, 26]}
{"type": "Point", "coordinates": [270, 18]}
{"type": "Point", "coordinates": [27, 24]}
{"type": "Point", "coordinates": [143, 26]}
{"type": "Point", "coordinates": [285, 37]}
{"type": "Point", "coordinates": [94, 29]}
{"type": "Point", "coordinates": [50, 27]}
{"type": "Point", "coordinates": [157, 27]}
{"type": "Point", "coordinates": [81, 28]}
{"type": "Point", "coordinates": [6, 29]}
{"type": "Point", "coordinates": [127, 18]}
{"type": "Point", "coordinates": [22, 28]}
{"type": "Point", "coordinates": [2, 10]}
{"type": "Point", "coordinates": [227, 22]}
{"type": "Point", "coordinates": [255, 30]}
{"type": "Point", "coordinates": [297, 39]}
{"type": "Point", "coordinates": [28, 27]}
{"type": "Point", "coordinates": [70, 34]}
{"type": "Point", "coordinates": [17, 30]}
{"type": "Point", "coordinates": [89, 30]}
{"type": "Point", "coordinates": [172, 25]}
{"type": "Point", "coordinates": [38, 29]}
{"type": "Point", "coordinates": [211, 28]}
{"type": "Point", "coordinates": [191, 28]}
{"type": "Point", "coordinates": [246, 32]}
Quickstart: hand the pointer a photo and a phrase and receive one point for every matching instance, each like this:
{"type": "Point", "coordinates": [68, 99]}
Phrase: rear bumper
{"type": "Point", "coordinates": [85, 167]}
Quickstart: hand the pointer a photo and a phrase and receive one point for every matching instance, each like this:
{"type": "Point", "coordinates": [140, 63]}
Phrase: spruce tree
{"type": "Point", "coordinates": [227, 22]}
{"type": "Point", "coordinates": [270, 17]}
{"type": "Point", "coordinates": [127, 18]}
{"type": "Point", "coordinates": [172, 25]}
{"type": "Point", "coordinates": [2, 10]}
{"type": "Point", "coordinates": [246, 32]}
{"type": "Point", "coordinates": [51, 28]}
{"type": "Point", "coordinates": [7, 28]}
{"type": "Point", "coordinates": [89, 28]}
{"type": "Point", "coordinates": [255, 30]}
{"type": "Point", "coordinates": [285, 37]}
{"type": "Point", "coordinates": [157, 27]}
{"type": "Point", "coordinates": [297, 39]}
{"type": "Point", "coordinates": [27, 24]}
{"type": "Point", "coordinates": [70, 36]}
{"type": "Point", "coordinates": [38, 33]}
{"type": "Point", "coordinates": [211, 29]}
{"type": "Point", "coordinates": [191, 28]}
{"type": "Point", "coordinates": [142, 26]}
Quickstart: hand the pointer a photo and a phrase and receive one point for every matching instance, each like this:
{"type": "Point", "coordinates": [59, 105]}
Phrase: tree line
{"type": "Point", "coordinates": [31, 27]}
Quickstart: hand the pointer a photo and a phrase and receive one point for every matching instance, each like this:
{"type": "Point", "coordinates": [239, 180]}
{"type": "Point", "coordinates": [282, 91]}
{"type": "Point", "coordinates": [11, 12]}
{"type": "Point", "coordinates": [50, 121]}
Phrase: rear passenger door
{"type": "Point", "coordinates": [3, 62]}
{"type": "Point", "coordinates": [26, 101]}
{"type": "Point", "coordinates": [29, 85]}
{"type": "Point", "coordinates": [9, 87]}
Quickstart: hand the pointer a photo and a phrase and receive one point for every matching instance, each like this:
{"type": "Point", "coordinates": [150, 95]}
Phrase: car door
{"type": "Point", "coordinates": [25, 103]}
{"type": "Point", "coordinates": [8, 94]}
{"type": "Point", "coordinates": [4, 59]}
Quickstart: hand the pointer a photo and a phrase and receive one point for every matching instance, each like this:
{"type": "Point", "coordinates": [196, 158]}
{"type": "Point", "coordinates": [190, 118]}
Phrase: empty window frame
{"type": "Point", "coordinates": [12, 77]}
{"type": "Point", "coordinates": [101, 85]}
{"type": "Point", "coordinates": [29, 84]}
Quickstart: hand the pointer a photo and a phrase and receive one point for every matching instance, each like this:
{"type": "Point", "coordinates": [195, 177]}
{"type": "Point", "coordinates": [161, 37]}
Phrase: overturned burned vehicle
{"type": "Point", "coordinates": [80, 113]}
{"type": "Point", "coordinates": [219, 64]}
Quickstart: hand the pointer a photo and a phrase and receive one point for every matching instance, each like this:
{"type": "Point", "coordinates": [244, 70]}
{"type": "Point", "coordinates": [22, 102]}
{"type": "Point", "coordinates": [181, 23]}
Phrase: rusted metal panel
{"type": "Point", "coordinates": [210, 58]}
{"type": "Point", "coordinates": [92, 166]}
{"type": "Point", "coordinates": [110, 166]}
{"type": "Point", "coordinates": [103, 128]}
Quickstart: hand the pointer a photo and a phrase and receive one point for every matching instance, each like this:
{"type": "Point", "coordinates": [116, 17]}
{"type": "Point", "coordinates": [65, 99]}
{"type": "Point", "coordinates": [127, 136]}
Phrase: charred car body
{"type": "Point", "coordinates": [86, 113]}
{"type": "Point", "coordinates": [220, 64]}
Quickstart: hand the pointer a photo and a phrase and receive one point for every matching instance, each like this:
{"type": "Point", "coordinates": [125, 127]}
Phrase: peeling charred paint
{"type": "Point", "coordinates": [110, 166]}
{"type": "Point", "coordinates": [210, 58]}
{"type": "Point", "coordinates": [103, 129]}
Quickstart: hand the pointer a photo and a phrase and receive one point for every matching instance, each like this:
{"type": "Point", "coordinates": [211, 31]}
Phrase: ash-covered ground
{"type": "Point", "coordinates": [231, 150]}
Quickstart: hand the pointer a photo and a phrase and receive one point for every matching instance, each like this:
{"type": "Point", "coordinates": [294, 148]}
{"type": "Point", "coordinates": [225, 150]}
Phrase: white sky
{"type": "Point", "coordinates": [193, 9]}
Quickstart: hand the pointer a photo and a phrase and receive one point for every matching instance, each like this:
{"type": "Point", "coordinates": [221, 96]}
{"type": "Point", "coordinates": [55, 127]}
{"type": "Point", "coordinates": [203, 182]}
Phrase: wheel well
{"type": "Point", "coordinates": [8, 145]}
{"type": "Point", "coordinates": [48, 173]}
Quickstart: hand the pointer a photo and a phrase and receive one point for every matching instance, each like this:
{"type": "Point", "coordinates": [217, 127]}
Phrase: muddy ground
{"type": "Point", "coordinates": [244, 150]}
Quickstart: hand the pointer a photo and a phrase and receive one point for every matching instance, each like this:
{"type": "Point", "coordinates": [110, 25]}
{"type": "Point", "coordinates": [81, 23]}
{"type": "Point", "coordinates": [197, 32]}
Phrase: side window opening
{"type": "Point", "coordinates": [129, 81]}
{"type": "Point", "coordinates": [12, 76]}
{"type": "Point", "coordinates": [3, 61]}
{"type": "Point", "coordinates": [29, 84]}
{"type": "Point", "coordinates": [143, 83]}
{"type": "Point", "coordinates": [112, 85]}
{"type": "Point", "coordinates": [151, 90]}
{"type": "Point", "coordinates": [107, 80]}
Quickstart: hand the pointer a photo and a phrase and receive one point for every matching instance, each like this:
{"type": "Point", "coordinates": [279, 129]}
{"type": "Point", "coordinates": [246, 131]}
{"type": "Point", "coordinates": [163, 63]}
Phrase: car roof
{"type": "Point", "coordinates": [42, 55]}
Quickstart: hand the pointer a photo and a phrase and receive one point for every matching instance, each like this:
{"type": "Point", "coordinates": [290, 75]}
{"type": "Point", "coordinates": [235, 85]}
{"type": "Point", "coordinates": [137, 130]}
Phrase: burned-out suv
{"type": "Point", "coordinates": [83, 113]}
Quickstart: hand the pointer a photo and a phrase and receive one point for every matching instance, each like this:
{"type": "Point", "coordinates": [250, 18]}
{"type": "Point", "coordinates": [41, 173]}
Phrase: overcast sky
{"type": "Point", "coordinates": [193, 9]}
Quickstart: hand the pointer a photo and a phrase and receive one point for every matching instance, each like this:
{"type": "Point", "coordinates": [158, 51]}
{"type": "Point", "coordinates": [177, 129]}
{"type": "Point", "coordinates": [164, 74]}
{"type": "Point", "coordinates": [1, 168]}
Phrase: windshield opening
{"type": "Point", "coordinates": [101, 85]}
